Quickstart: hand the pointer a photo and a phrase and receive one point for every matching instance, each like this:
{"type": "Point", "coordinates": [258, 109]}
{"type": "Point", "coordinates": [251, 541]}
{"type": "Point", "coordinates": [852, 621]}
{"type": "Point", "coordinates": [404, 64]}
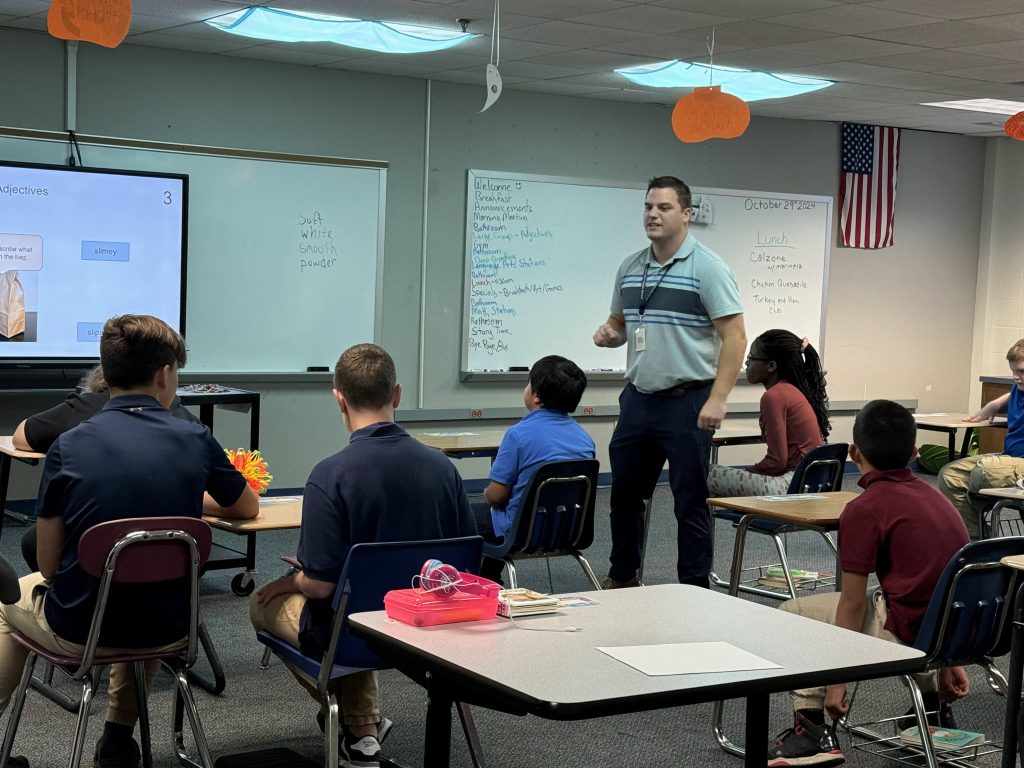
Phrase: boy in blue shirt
{"type": "Point", "coordinates": [546, 433]}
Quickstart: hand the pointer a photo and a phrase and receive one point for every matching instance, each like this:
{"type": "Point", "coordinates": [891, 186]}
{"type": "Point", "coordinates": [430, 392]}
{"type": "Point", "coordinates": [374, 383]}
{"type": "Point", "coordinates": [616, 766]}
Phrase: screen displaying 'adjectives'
{"type": "Point", "coordinates": [78, 246]}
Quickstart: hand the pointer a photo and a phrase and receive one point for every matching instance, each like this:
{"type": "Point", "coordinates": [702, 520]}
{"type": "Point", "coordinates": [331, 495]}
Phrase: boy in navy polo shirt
{"type": "Point", "coordinates": [131, 459]}
{"type": "Point", "coordinates": [879, 532]}
{"type": "Point", "coordinates": [547, 433]}
{"type": "Point", "coordinates": [385, 485]}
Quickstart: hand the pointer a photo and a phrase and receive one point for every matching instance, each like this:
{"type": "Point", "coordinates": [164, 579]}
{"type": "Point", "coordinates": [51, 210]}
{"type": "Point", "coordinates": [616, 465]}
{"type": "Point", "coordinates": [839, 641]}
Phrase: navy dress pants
{"type": "Point", "coordinates": [652, 429]}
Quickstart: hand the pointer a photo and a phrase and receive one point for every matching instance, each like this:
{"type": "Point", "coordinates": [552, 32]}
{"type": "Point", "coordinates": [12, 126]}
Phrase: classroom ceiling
{"type": "Point", "coordinates": [887, 56]}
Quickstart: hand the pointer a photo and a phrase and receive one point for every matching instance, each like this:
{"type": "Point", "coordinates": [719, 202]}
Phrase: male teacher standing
{"type": "Point", "coordinates": [668, 302]}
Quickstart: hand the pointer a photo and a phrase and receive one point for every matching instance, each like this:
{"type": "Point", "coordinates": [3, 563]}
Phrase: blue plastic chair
{"type": "Point", "coordinates": [820, 471]}
{"type": "Point", "coordinates": [370, 571]}
{"type": "Point", "coordinates": [555, 518]}
{"type": "Point", "coordinates": [968, 621]}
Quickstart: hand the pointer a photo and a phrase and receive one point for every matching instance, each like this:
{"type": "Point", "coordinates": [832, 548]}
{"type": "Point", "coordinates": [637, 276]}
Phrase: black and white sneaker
{"type": "Point", "coordinates": [805, 744]}
{"type": "Point", "coordinates": [361, 752]}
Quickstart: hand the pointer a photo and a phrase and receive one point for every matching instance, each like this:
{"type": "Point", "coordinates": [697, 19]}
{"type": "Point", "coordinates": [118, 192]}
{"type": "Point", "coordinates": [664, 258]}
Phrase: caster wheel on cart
{"type": "Point", "coordinates": [243, 584]}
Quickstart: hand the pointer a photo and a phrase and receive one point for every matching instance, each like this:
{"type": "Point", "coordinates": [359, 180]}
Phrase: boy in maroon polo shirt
{"type": "Point", "coordinates": [880, 532]}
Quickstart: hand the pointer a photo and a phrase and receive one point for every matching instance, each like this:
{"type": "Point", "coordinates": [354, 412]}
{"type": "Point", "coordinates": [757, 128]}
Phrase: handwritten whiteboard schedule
{"type": "Point", "coordinates": [285, 252]}
{"type": "Point", "coordinates": [542, 253]}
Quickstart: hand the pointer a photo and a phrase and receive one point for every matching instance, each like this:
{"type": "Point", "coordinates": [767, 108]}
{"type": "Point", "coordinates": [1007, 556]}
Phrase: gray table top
{"type": "Point", "coordinates": [562, 675]}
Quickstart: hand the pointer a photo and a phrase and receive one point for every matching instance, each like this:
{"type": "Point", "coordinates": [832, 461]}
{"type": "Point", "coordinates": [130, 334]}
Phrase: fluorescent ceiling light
{"type": "Point", "coordinates": [381, 36]}
{"type": "Point", "coordinates": [744, 83]}
{"type": "Point", "coordinates": [994, 106]}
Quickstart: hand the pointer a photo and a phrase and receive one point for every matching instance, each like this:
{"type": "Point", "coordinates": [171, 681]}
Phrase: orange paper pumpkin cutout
{"type": "Point", "coordinates": [104, 22]}
{"type": "Point", "coordinates": [1014, 127]}
{"type": "Point", "coordinates": [707, 113]}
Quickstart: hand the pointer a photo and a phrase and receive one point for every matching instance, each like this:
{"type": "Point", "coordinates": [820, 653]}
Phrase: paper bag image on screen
{"type": "Point", "coordinates": [12, 304]}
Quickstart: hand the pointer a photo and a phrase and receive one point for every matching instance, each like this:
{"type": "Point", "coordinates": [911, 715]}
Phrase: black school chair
{"type": "Point", "coordinates": [555, 518]}
{"type": "Point", "coordinates": [819, 471]}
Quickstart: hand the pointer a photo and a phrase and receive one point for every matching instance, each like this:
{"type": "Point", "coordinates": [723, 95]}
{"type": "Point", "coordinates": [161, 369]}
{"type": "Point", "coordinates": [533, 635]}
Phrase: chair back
{"type": "Point", "coordinates": [556, 515]}
{"type": "Point", "coordinates": [140, 550]}
{"type": "Point", "coordinates": [371, 571]}
{"type": "Point", "coordinates": [820, 470]}
{"type": "Point", "coordinates": [969, 614]}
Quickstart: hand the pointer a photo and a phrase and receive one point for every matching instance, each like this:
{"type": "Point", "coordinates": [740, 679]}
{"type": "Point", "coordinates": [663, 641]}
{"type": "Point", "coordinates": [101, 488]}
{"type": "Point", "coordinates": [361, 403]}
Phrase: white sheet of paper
{"type": "Point", "coordinates": [271, 500]}
{"type": "Point", "coordinates": [450, 434]}
{"type": "Point", "coordinates": [687, 658]}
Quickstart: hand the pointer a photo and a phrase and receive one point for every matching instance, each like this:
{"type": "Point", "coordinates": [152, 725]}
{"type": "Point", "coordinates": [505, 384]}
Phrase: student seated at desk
{"type": "Point", "coordinates": [546, 433]}
{"type": "Point", "coordinates": [962, 480]}
{"type": "Point", "coordinates": [385, 485]}
{"type": "Point", "coordinates": [104, 470]}
{"type": "Point", "coordinates": [794, 415]}
{"type": "Point", "coordinates": [881, 532]}
{"type": "Point", "coordinates": [38, 432]}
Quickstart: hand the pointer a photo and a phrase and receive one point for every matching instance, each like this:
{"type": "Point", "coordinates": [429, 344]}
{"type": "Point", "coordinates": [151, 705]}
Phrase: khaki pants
{"type": "Point", "coordinates": [961, 482]}
{"type": "Point", "coordinates": [27, 616]}
{"type": "Point", "coordinates": [358, 696]}
{"type": "Point", "coordinates": [823, 608]}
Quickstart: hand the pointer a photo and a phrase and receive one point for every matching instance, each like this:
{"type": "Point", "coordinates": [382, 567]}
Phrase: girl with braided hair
{"type": "Point", "coordinates": [794, 415]}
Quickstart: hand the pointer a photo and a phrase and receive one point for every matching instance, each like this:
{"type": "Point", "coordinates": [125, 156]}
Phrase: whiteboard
{"type": "Point", "coordinates": [542, 253]}
{"type": "Point", "coordinates": [285, 252]}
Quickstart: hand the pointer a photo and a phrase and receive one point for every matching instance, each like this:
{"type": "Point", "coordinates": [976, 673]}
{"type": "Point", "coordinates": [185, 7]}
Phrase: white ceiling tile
{"type": "Point", "coordinates": [509, 49]}
{"type": "Point", "coordinates": [845, 48]}
{"type": "Point", "coordinates": [945, 34]}
{"type": "Point", "coordinates": [647, 18]}
{"type": "Point", "coordinates": [768, 60]}
{"type": "Point", "coordinates": [932, 60]}
{"type": "Point", "coordinates": [1011, 21]}
{"type": "Point", "coordinates": [1011, 49]}
{"type": "Point", "coordinates": [663, 47]}
{"type": "Point", "coordinates": [193, 44]}
{"type": "Point", "coordinates": [852, 19]}
{"type": "Point", "coordinates": [1000, 73]}
{"type": "Point", "coordinates": [755, 34]}
{"type": "Point", "coordinates": [543, 9]}
{"type": "Point", "coordinates": [471, 76]}
{"type": "Point", "coordinates": [746, 9]}
{"type": "Point", "coordinates": [589, 60]}
{"type": "Point", "coordinates": [572, 35]}
{"type": "Point", "coordinates": [531, 70]}
{"type": "Point", "coordinates": [559, 88]}
{"type": "Point", "coordinates": [944, 9]}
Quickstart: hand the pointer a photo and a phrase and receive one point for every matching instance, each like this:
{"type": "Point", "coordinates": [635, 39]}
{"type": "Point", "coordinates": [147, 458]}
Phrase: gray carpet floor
{"type": "Point", "coordinates": [267, 708]}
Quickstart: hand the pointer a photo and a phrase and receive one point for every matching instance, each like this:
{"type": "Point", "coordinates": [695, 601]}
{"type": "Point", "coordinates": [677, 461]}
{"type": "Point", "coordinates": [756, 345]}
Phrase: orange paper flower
{"type": "Point", "coordinates": [253, 468]}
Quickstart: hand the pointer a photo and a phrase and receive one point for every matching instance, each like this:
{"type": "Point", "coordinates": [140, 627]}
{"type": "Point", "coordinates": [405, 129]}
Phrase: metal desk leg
{"type": "Point", "coordinates": [756, 731]}
{"type": "Point", "coordinates": [216, 686]}
{"type": "Point", "coordinates": [966, 442]}
{"type": "Point", "coordinates": [1012, 728]}
{"type": "Point", "coordinates": [254, 424]}
{"type": "Point", "coordinates": [951, 444]}
{"type": "Point", "coordinates": [476, 752]}
{"type": "Point", "coordinates": [5, 478]}
{"type": "Point", "coordinates": [437, 743]}
{"type": "Point", "coordinates": [648, 506]}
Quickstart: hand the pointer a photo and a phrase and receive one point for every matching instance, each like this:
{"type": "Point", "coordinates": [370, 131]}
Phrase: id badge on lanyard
{"type": "Point", "coordinates": [640, 333]}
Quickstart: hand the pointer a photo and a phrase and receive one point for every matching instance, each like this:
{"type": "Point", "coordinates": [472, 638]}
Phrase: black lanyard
{"type": "Point", "coordinates": [643, 286]}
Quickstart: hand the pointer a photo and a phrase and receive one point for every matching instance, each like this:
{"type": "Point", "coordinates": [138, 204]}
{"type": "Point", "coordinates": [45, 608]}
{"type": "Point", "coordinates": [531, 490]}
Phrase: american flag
{"type": "Point", "coordinates": [867, 185]}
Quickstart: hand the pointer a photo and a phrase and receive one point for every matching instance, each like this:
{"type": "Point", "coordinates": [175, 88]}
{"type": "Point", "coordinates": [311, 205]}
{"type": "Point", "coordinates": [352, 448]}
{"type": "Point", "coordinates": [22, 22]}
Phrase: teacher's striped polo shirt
{"type": "Point", "coordinates": [693, 288]}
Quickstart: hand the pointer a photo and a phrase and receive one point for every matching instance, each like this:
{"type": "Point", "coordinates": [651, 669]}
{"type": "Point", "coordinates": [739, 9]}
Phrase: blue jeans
{"type": "Point", "coordinates": [651, 429]}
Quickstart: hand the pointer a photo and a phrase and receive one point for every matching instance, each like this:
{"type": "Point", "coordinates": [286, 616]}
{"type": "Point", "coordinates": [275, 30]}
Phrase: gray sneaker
{"type": "Point", "coordinates": [362, 752]}
{"type": "Point", "coordinates": [805, 744]}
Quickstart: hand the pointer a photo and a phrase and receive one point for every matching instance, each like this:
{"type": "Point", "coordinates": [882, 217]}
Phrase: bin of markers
{"type": "Point", "coordinates": [474, 598]}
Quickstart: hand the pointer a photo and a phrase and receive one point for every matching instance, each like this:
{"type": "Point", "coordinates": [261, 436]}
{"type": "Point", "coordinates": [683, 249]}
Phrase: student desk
{"type": "Point", "coordinates": [1012, 498]}
{"type": "Point", "coordinates": [950, 423]}
{"type": "Point", "coordinates": [808, 510]}
{"type": "Point", "coordinates": [485, 442]}
{"type": "Point", "coordinates": [232, 399]}
{"type": "Point", "coordinates": [276, 513]}
{"type": "Point", "coordinates": [1013, 729]}
{"type": "Point", "coordinates": [562, 676]}
{"type": "Point", "coordinates": [7, 453]}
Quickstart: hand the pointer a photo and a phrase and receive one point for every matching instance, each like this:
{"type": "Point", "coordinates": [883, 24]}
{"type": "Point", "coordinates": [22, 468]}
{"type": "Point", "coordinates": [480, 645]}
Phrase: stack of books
{"type": "Point", "coordinates": [943, 739]}
{"type": "Point", "coordinates": [774, 577]}
{"type": "Point", "coordinates": [513, 603]}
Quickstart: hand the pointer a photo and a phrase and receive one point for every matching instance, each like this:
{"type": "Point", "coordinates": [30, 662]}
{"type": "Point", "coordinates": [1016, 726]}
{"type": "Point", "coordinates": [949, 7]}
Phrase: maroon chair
{"type": "Point", "coordinates": [136, 550]}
